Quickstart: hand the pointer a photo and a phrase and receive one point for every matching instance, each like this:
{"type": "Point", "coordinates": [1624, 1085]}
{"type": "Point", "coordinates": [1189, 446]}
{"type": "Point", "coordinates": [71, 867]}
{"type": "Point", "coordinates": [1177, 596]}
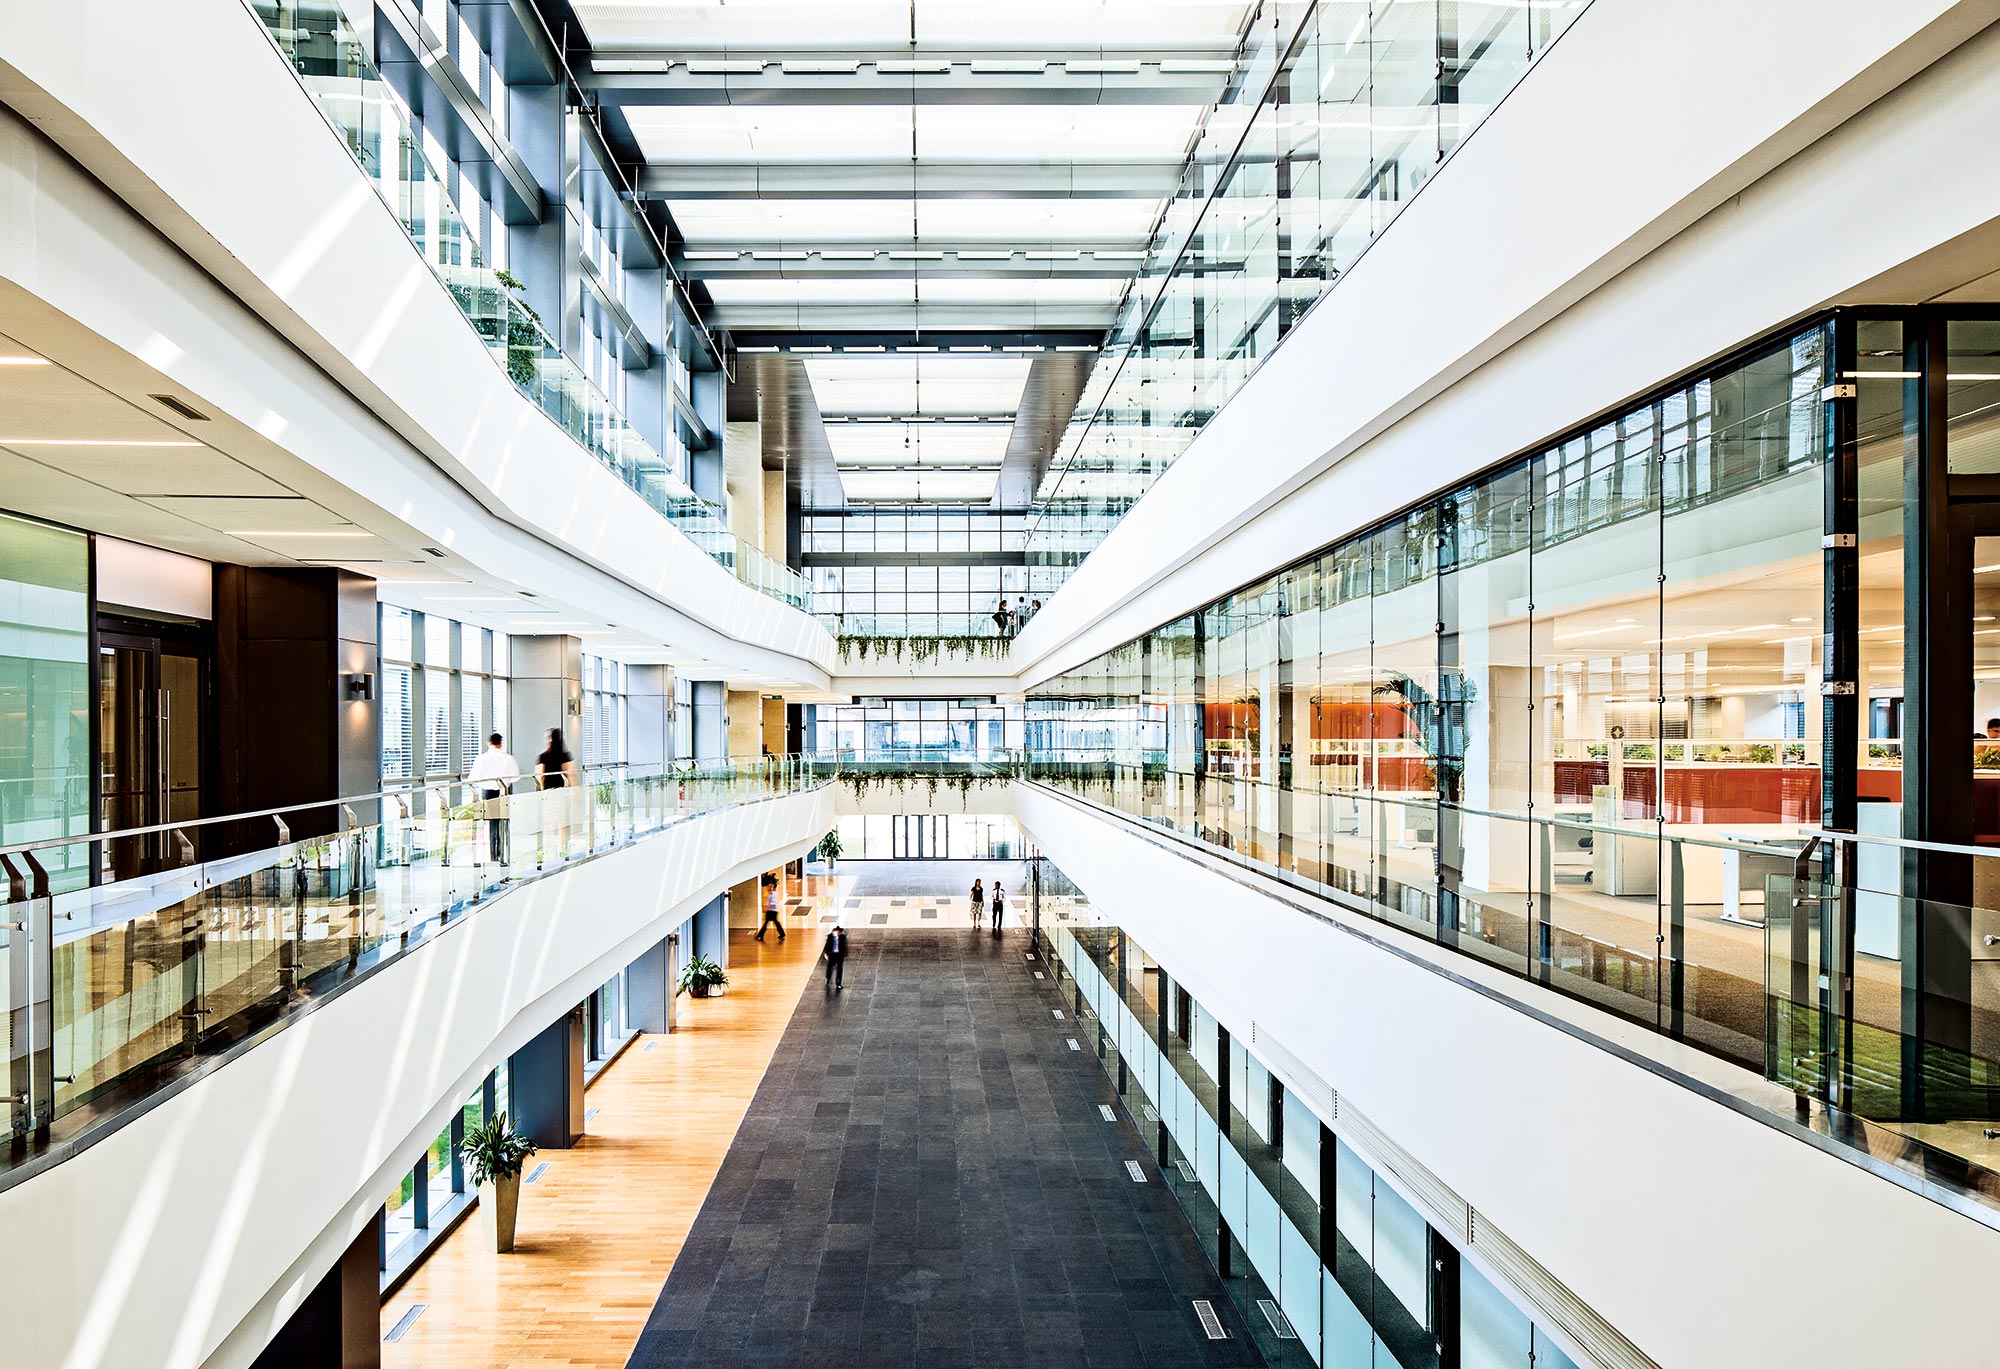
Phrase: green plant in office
{"type": "Point", "coordinates": [496, 1154]}
{"type": "Point", "coordinates": [524, 348]}
{"type": "Point", "coordinates": [829, 847]}
{"type": "Point", "coordinates": [701, 975]}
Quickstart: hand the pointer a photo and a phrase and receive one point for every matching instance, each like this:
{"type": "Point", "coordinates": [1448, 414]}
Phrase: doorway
{"type": "Point", "coordinates": [151, 706]}
{"type": "Point", "coordinates": [920, 836]}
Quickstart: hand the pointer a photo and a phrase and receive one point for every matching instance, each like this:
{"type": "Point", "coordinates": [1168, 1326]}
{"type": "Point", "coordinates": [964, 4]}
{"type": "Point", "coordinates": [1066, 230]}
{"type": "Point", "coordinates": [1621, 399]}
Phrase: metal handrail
{"type": "Point", "coordinates": [433, 784]}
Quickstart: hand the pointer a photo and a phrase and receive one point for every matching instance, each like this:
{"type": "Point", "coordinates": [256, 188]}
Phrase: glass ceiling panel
{"type": "Point", "coordinates": [776, 25]}
{"type": "Point", "coordinates": [887, 443]}
{"type": "Point", "coordinates": [899, 384]}
{"type": "Point", "coordinates": [1060, 135]}
{"type": "Point", "coordinates": [795, 25]}
{"type": "Point", "coordinates": [864, 487]}
{"type": "Point", "coordinates": [1009, 222]}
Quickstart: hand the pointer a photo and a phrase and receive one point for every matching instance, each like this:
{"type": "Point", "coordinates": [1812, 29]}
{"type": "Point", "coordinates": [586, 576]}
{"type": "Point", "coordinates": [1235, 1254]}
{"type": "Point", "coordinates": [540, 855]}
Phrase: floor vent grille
{"type": "Point", "coordinates": [1040, 975]}
{"type": "Point", "coordinates": [406, 1321]}
{"type": "Point", "coordinates": [1072, 1043]}
{"type": "Point", "coordinates": [1187, 1171]}
{"type": "Point", "coordinates": [1150, 1115]}
{"type": "Point", "coordinates": [1281, 1326]}
{"type": "Point", "coordinates": [1138, 1174]}
{"type": "Point", "coordinates": [1109, 1115]}
{"type": "Point", "coordinates": [537, 1172]}
{"type": "Point", "coordinates": [1211, 1324]}
{"type": "Point", "coordinates": [1058, 1012]}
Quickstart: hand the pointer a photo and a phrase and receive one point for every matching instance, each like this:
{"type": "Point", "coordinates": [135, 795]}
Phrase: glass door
{"type": "Point", "coordinates": [149, 703]}
{"type": "Point", "coordinates": [918, 836]}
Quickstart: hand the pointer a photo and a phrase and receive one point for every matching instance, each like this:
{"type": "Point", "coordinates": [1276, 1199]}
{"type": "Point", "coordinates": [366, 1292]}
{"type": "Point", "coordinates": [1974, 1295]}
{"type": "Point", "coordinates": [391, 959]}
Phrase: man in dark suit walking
{"type": "Point", "coordinates": [835, 955]}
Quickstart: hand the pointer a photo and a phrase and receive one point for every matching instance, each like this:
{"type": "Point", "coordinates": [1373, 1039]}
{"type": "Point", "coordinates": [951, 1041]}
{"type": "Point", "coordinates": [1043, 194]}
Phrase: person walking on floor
{"type": "Point", "coordinates": [492, 778]}
{"type": "Point", "coordinates": [835, 955]}
{"type": "Point", "coordinates": [771, 917]}
{"type": "Point", "coordinates": [978, 901]}
{"type": "Point", "coordinates": [999, 905]}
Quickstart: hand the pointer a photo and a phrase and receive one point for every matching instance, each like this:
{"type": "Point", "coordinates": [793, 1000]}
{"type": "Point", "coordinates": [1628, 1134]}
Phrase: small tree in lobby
{"type": "Point", "coordinates": [496, 1154]}
{"type": "Point", "coordinates": [829, 848]}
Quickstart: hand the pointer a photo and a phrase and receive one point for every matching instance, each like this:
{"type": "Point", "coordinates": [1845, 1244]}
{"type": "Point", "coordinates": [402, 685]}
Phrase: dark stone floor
{"type": "Point", "coordinates": [924, 1180]}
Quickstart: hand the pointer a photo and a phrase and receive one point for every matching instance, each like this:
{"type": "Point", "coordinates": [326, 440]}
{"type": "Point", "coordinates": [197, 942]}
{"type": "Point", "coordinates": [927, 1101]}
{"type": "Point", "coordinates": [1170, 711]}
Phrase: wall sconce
{"type": "Point", "coordinates": [359, 687]}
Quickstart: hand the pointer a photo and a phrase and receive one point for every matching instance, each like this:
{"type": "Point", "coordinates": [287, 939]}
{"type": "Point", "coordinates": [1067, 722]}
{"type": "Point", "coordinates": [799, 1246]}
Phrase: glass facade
{"type": "Point", "coordinates": [453, 230]}
{"type": "Point", "coordinates": [1526, 716]}
{"type": "Point", "coordinates": [1343, 112]}
{"type": "Point", "coordinates": [1327, 1261]}
{"type": "Point", "coordinates": [444, 688]}
{"type": "Point", "coordinates": [46, 768]}
{"type": "Point", "coordinates": [919, 570]}
{"type": "Point", "coordinates": [918, 729]}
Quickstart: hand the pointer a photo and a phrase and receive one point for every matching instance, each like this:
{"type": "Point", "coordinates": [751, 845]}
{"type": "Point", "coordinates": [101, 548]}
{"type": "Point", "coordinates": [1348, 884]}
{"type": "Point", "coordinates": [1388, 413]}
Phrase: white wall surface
{"type": "Point", "coordinates": [186, 1237]}
{"type": "Point", "coordinates": [1667, 183]}
{"type": "Point", "coordinates": [1704, 1236]}
{"type": "Point", "coordinates": [133, 576]}
{"type": "Point", "coordinates": [190, 115]}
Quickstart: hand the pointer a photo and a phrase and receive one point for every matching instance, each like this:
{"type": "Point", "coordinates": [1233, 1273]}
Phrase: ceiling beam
{"type": "Point", "coordinates": [939, 322]}
{"type": "Point", "coordinates": [901, 180]}
{"type": "Point", "coordinates": [866, 341]}
{"type": "Point", "coordinates": [1088, 261]}
{"type": "Point", "coordinates": [635, 79]}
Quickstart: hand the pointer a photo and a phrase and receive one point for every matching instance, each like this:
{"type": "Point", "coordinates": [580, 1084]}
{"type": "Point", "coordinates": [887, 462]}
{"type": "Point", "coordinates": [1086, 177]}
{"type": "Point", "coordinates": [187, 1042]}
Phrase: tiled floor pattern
{"type": "Point", "coordinates": [931, 894]}
{"type": "Point", "coordinates": [924, 1178]}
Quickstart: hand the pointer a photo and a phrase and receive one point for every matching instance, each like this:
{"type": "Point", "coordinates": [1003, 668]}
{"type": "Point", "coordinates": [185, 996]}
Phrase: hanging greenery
{"type": "Point", "coordinates": [921, 649]}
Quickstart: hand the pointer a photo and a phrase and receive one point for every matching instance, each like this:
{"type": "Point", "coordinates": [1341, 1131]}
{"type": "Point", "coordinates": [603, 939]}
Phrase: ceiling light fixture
{"type": "Point", "coordinates": [295, 532]}
{"type": "Point", "coordinates": [25, 361]}
{"type": "Point", "coordinates": [94, 442]}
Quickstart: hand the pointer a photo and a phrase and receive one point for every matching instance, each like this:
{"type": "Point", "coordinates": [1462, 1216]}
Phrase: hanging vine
{"type": "Point", "coordinates": [921, 649]}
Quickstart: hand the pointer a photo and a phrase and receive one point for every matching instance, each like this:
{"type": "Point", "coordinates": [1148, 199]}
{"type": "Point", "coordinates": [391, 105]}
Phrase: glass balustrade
{"type": "Point", "coordinates": [1339, 115]}
{"type": "Point", "coordinates": [334, 68]}
{"type": "Point", "coordinates": [1779, 954]}
{"type": "Point", "coordinates": [112, 990]}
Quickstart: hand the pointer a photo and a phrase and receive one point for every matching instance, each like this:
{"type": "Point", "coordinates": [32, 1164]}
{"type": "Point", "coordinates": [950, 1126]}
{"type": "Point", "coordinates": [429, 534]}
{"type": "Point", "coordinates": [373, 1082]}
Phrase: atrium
{"type": "Point", "coordinates": [1354, 635]}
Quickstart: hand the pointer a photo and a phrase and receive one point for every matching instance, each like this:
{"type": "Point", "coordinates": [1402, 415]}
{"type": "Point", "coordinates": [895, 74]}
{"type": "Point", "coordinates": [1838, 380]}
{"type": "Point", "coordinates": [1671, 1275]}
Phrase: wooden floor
{"type": "Point", "coordinates": [599, 1231]}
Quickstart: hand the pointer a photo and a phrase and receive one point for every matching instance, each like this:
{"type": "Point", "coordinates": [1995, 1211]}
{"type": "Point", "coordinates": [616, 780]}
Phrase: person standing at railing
{"type": "Point", "coordinates": [492, 776]}
{"type": "Point", "coordinates": [555, 768]}
{"type": "Point", "coordinates": [1000, 617]}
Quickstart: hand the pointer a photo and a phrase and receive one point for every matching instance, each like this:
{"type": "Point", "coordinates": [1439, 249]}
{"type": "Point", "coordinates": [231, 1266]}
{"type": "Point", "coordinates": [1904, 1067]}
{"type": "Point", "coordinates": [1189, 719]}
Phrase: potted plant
{"type": "Point", "coordinates": [496, 1154]}
{"type": "Point", "coordinates": [700, 975]}
{"type": "Point", "coordinates": [829, 848]}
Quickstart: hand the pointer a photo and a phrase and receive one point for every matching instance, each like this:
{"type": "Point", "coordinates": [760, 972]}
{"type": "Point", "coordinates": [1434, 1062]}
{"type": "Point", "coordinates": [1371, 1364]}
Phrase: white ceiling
{"type": "Point", "coordinates": [79, 453]}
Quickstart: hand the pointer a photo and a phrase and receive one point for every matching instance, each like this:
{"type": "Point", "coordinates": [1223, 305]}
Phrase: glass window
{"type": "Point", "coordinates": [46, 768]}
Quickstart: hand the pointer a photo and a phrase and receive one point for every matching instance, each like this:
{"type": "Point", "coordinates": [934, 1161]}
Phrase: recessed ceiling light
{"type": "Point", "coordinates": [93, 442]}
{"type": "Point", "coordinates": [179, 406]}
{"type": "Point", "coordinates": [1802, 620]}
{"type": "Point", "coordinates": [24, 361]}
{"type": "Point", "coordinates": [294, 532]}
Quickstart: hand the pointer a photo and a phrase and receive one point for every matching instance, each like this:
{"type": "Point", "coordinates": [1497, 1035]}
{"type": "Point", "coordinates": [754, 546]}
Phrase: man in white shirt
{"type": "Point", "coordinates": [492, 777]}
